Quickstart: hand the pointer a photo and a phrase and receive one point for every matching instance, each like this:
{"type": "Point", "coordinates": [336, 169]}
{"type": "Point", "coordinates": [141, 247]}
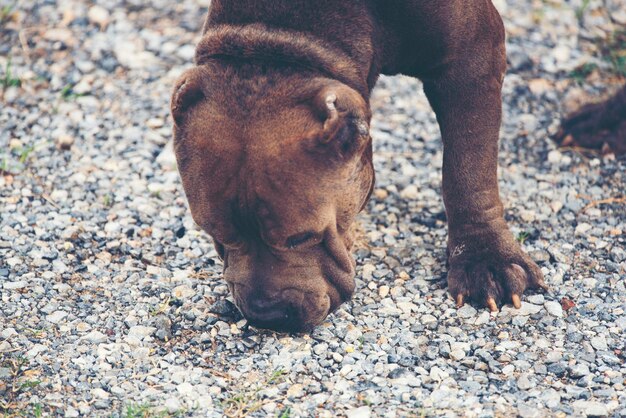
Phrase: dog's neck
{"type": "Point", "coordinates": [261, 42]}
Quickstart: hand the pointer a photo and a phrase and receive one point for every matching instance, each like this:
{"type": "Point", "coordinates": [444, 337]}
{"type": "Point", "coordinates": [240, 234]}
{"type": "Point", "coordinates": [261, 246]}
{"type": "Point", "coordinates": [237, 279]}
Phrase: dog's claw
{"type": "Point", "coordinates": [567, 141]}
{"type": "Point", "coordinates": [491, 304]}
{"type": "Point", "coordinates": [516, 301]}
{"type": "Point", "coordinates": [459, 301]}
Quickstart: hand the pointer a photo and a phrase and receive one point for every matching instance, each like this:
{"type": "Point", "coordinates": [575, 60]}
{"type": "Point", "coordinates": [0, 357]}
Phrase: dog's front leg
{"type": "Point", "coordinates": [486, 264]}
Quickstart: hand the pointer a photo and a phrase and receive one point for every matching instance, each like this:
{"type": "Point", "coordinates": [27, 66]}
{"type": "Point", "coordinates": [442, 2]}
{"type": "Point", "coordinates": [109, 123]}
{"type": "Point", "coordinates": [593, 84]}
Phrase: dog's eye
{"type": "Point", "coordinates": [299, 239]}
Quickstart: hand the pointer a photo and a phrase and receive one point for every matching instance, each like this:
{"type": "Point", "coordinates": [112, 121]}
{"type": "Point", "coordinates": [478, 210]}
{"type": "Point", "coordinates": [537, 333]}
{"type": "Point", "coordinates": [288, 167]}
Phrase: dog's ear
{"type": "Point", "coordinates": [345, 116]}
{"type": "Point", "coordinates": [187, 93]}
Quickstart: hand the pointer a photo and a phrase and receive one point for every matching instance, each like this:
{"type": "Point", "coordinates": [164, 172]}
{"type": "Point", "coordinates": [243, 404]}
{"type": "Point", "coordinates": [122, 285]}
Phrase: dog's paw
{"type": "Point", "coordinates": [493, 273]}
{"type": "Point", "coordinates": [594, 127]}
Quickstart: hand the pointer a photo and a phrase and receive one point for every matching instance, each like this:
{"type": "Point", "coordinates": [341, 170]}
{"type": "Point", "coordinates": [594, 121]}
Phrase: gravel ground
{"type": "Point", "coordinates": [111, 298]}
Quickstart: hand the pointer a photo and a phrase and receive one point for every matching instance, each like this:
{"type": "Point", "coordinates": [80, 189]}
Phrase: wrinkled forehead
{"type": "Point", "coordinates": [281, 193]}
{"type": "Point", "coordinates": [258, 171]}
{"type": "Point", "coordinates": [274, 194]}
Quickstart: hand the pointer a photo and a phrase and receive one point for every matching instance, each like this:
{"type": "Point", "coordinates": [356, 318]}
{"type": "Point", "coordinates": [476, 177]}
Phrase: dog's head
{"type": "Point", "coordinates": [275, 168]}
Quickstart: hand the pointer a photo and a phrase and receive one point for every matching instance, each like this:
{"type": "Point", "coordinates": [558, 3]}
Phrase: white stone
{"type": "Point", "coordinates": [167, 158]}
{"type": "Point", "coordinates": [60, 35]}
{"type": "Point", "coordinates": [59, 196]}
{"type": "Point", "coordinates": [345, 370]}
{"type": "Point", "coordinates": [15, 285]}
{"type": "Point", "coordinates": [140, 331]}
{"type": "Point", "coordinates": [368, 270]}
{"type": "Point", "coordinates": [554, 156]}
{"type": "Point", "coordinates": [118, 391]}
{"type": "Point", "coordinates": [320, 349]}
{"type": "Point", "coordinates": [83, 327]}
{"type": "Point", "coordinates": [100, 393]}
{"type": "Point", "coordinates": [525, 310]}
{"type": "Point", "coordinates": [619, 16]}
{"type": "Point", "coordinates": [457, 355]}
{"type": "Point", "coordinates": [56, 317]}
{"type": "Point", "coordinates": [95, 337]}
{"type": "Point", "coordinates": [59, 266]}
{"type": "Point", "coordinates": [562, 53]}
{"type": "Point", "coordinates": [483, 318]}
{"type": "Point", "coordinates": [131, 53]}
{"type": "Point", "coordinates": [186, 52]}
{"type": "Point", "coordinates": [12, 262]}
{"type": "Point", "coordinates": [8, 333]}
{"type": "Point", "coordinates": [582, 229]}
{"type": "Point", "coordinates": [579, 370]}
{"type": "Point", "coordinates": [172, 405]}
{"type": "Point", "coordinates": [99, 15]}
{"type": "Point", "coordinates": [467, 311]}
{"type": "Point", "coordinates": [556, 206]}
{"type": "Point", "coordinates": [437, 374]}
{"type": "Point", "coordinates": [362, 412]}
{"type": "Point", "coordinates": [155, 123]}
{"type": "Point", "coordinates": [599, 343]}
{"type": "Point", "coordinates": [183, 292]}
{"type": "Point", "coordinates": [500, 5]}
{"type": "Point", "coordinates": [112, 228]}
{"type": "Point", "coordinates": [428, 319]}
{"type": "Point", "coordinates": [205, 401]}
{"type": "Point", "coordinates": [36, 350]}
{"type": "Point", "coordinates": [554, 308]}
{"type": "Point", "coordinates": [409, 192]}
{"type": "Point", "coordinates": [524, 383]}
{"type": "Point", "coordinates": [551, 398]}
{"type": "Point", "coordinates": [295, 391]}
{"type": "Point", "coordinates": [185, 388]}
{"type": "Point", "coordinates": [71, 412]}
{"type": "Point", "coordinates": [527, 411]}
{"type": "Point", "coordinates": [508, 369]}
{"type": "Point", "coordinates": [591, 408]}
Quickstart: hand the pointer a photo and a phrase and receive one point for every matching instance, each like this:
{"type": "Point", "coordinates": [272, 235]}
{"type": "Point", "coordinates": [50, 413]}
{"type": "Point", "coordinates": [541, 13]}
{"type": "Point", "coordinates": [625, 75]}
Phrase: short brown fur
{"type": "Point", "coordinates": [272, 139]}
{"type": "Point", "coordinates": [598, 126]}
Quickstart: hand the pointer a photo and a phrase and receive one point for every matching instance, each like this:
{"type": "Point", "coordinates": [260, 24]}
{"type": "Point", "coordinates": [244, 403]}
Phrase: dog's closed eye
{"type": "Point", "coordinates": [300, 239]}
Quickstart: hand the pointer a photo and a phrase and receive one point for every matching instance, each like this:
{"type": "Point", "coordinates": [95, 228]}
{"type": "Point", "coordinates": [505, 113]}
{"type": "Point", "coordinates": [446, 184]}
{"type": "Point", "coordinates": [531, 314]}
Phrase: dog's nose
{"type": "Point", "coordinates": [278, 314]}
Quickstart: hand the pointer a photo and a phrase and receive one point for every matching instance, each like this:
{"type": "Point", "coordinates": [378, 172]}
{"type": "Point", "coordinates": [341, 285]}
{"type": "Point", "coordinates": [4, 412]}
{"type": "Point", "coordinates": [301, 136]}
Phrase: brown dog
{"type": "Point", "coordinates": [599, 126]}
{"type": "Point", "coordinates": [273, 145]}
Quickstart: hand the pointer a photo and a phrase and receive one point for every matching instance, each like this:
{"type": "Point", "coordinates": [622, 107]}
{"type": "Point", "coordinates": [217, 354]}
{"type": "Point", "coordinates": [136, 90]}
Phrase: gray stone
{"type": "Point", "coordinates": [163, 327]}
